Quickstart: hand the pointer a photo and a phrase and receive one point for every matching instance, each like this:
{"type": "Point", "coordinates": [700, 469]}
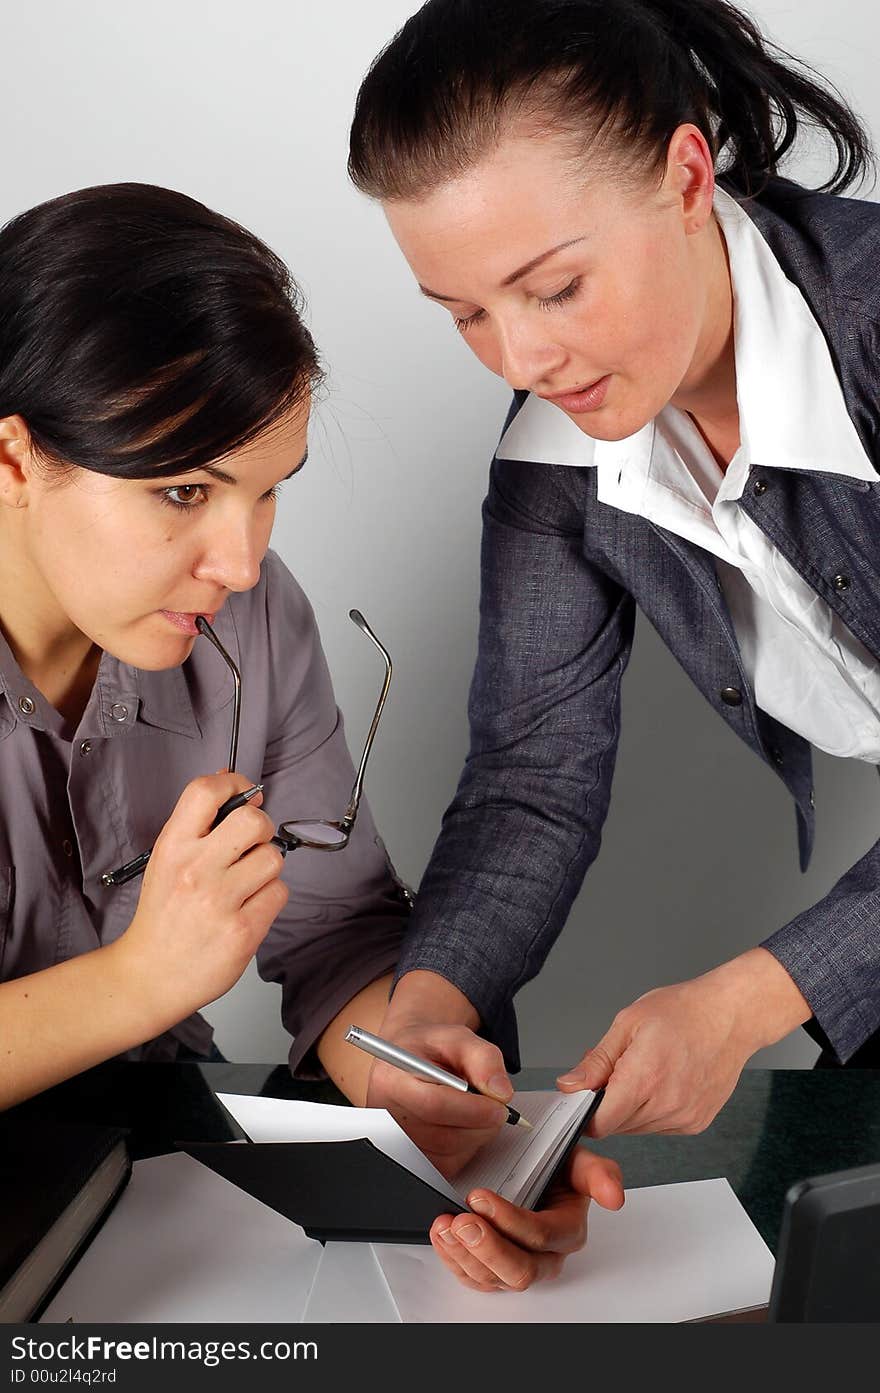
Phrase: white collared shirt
{"type": "Point", "coordinates": [806, 668]}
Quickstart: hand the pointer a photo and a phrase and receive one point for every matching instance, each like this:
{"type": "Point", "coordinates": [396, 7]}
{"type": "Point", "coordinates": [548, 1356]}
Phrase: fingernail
{"type": "Point", "coordinates": [470, 1234]}
{"type": "Point", "coordinates": [499, 1084]}
{"type": "Point", "coordinates": [447, 1235]}
{"type": "Point", "coordinates": [482, 1205]}
{"type": "Point", "coordinates": [576, 1076]}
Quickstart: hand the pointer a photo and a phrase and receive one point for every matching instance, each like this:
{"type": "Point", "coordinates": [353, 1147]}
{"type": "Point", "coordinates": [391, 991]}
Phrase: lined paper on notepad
{"type": "Point", "coordinates": [514, 1163]}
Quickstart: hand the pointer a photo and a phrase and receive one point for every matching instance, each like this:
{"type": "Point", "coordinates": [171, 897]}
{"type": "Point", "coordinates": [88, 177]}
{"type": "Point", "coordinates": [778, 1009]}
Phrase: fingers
{"type": "Point", "coordinates": [457, 1048]}
{"type": "Point", "coordinates": [483, 1065]}
{"type": "Point", "coordinates": [597, 1065]}
{"type": "Point", "coordinates": [459, 1261]}
{"type": "Point", "coordinates": [259, 911]}
{"type": "Point", "coordinates": [197, 806]}
{"type": "Point", "coordinates": [501, 1247]}
{"type": "Point", "coordinates": [484, 1259]}
{"type": "Point", "coordinates": [625, 1096]}
{"type": "Point", "coordinates": [447, 1125]}
{"type": "Point", "coordinates": [435, 1104]}
{"type": "Point", "coordinates": [560, 1227]}
{"type": "Point", "coordinates": [243, 829]}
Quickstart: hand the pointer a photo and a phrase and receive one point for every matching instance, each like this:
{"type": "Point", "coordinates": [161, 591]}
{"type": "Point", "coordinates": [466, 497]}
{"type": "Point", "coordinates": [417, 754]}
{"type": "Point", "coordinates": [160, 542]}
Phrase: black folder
{"type": "Point", "coordinates": [58, 1182]}
{"type": "Point", "coordinates": [347, 1190]}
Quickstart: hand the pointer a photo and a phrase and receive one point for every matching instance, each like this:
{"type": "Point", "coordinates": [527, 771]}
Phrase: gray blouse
{"type": "Point", "coordinates": [75, 803]}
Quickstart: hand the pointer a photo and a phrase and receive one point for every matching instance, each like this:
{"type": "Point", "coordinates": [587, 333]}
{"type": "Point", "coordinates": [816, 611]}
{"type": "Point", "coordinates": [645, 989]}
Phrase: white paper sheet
{"type": "Point", "coordinates": [290, 1119]}
{"type": "Point", "coordinates": [350, 1286]}
{"type": "Point", "coordinates": [673, 1253]}
{"type": "Point", "coordinates": [183, 1244]}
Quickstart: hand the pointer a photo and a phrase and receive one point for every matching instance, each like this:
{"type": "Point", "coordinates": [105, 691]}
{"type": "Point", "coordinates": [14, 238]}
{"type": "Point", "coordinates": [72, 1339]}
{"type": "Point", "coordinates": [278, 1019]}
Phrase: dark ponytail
{"type": "Point", "coordinates": [142, 334]}
{"type": "Point", "coordinates": [623, 71]}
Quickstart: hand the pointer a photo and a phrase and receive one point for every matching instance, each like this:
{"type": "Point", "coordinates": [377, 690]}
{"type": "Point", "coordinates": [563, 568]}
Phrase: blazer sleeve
{"type": "Point", "coordinates": [525, 823]}
{"type": "Point", "coordinates": [832, 952]}
{"type": "Point", "coordinates": [344, 921]}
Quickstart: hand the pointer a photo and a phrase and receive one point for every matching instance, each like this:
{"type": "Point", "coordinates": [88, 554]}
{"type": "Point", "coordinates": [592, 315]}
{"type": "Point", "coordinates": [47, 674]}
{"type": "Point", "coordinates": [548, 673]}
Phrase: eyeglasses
{"type": "Point", "coordinates": [315, 832]}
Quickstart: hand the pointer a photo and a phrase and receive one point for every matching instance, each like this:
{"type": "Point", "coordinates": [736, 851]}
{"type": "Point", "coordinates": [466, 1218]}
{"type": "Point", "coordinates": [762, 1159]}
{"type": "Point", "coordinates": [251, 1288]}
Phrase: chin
{"type": "Point", "coordinates": [153, 657]}
{"type": "Point", "coordinates": [613, 426]}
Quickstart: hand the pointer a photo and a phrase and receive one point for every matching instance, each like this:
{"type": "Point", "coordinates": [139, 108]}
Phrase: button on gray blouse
{"type": "Point", "coordinates": [77, 802]}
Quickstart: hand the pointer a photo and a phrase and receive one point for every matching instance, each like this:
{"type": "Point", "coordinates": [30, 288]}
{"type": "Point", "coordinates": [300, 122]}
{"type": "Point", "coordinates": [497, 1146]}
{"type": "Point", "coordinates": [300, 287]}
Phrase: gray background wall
{"type": "Point", "coordinates": [247, 108]}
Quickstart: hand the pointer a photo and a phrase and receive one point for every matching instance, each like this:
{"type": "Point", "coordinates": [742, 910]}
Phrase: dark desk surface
{"type": "Point", "coordinates": [779, 1126]}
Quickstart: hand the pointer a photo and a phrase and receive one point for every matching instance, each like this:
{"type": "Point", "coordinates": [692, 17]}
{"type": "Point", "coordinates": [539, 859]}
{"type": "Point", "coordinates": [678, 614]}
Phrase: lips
{"type": "Point", "coordinates": [583, 399]}
{"type": "Point", "coordinates": [184, 620]}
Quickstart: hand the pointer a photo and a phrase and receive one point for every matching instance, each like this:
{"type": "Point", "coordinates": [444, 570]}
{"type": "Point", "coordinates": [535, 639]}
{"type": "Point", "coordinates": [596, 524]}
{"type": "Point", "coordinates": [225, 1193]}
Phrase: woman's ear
{"type": "Point", "coordinates": [690, 174]}
{"type": "Point", "coordinates": [15, 455]}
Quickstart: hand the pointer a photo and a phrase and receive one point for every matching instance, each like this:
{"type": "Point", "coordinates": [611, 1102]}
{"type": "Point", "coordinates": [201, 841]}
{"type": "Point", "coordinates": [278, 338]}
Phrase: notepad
{"type": "Point", "coordinates": [516, 1164]}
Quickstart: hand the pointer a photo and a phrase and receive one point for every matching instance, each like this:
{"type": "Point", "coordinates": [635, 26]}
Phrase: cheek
{"type": "Point", "coordinates": [659, 322]}
{"type": "Point", "coordinates": [484, 346]}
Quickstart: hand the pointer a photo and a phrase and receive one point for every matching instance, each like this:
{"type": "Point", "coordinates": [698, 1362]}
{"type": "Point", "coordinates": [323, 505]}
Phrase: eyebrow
{"type": "Point", "coordinates": [514, 276]}
{"type": "Point", "coordinates": [223, 478]}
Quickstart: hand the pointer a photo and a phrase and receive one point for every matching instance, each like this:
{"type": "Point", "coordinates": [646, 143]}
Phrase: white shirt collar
{"type": "Point", "coordinates": [792, 409]}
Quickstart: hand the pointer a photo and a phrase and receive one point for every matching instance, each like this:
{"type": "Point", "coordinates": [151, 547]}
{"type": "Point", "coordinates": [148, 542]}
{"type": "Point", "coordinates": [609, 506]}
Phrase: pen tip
{"type": "Point", "coordinates": [523, 1122]}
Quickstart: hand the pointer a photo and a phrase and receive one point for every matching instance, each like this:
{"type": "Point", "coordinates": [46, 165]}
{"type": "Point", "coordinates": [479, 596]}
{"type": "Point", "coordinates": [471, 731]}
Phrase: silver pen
{"type": "Point", "coordinates": [423, 1069]}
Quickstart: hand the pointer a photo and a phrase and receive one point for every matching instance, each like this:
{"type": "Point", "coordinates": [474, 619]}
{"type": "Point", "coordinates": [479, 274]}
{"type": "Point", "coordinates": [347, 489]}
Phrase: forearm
{"type": "Point", "coordinates": [349, 1068]}
{"type": "Point", "coordinates": [755, 991]}
{"type": "Point", "coordinates": [526, 819]}
{"type": "Point", "coordinates": [427, 997]}
{"type": "Point", "coordinates": [67, 1018]}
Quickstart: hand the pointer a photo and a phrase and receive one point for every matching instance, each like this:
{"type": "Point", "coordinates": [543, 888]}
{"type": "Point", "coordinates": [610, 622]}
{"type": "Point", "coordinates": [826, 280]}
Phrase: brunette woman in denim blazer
{"type": "Point", "coordinates": [591, 188]}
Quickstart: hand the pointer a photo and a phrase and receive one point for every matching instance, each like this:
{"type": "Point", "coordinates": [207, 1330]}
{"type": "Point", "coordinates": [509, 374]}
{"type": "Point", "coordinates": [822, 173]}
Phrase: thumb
{"type": "Point", "coordinates": [597, 1065]}
{"type": "Point", "coordinates": [484, 1067]}
{"type": "Point", "coordinates": [598, 1177]}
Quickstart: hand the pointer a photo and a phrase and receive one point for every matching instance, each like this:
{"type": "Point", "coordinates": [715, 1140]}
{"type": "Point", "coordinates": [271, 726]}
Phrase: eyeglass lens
{"type": "Point", "coordinates": [315, 833]}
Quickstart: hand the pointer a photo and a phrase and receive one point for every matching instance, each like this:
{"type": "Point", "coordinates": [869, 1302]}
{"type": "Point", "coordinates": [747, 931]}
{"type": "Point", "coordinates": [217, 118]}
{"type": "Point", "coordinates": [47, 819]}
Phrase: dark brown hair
{"type": "Point", "coordinates": [440, 94]}
{"type": "Point", "coordinates": [143, 334]}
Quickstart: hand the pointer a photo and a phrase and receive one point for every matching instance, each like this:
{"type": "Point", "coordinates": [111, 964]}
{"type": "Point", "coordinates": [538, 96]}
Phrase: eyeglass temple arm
{"type": "Point", "coordinates": [351, 811]}
{"type": "Point", "coordinates": [205, 628]}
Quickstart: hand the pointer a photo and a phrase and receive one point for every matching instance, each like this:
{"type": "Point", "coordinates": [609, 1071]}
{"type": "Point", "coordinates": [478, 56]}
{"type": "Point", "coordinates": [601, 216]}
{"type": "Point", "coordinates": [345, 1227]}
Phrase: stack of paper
{"type": "Point", "coordinates": [183, 1244]}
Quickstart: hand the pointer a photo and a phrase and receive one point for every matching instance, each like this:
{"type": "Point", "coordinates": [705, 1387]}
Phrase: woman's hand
{"type": "Point", "coordinates": [207, 900]}
{"type": "Point", "coordinates": [672, 1059]}
{"type": "Point", "coordinates": [505, 1248]}
{"type": "Point", "coordinates": [430, 1017]}
{"type": "Point", "coordinates": [448, 1126]}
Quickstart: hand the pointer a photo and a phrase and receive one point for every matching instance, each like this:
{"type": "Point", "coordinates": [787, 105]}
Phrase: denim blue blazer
{"type": "Point", "coordinates": [561, 578]}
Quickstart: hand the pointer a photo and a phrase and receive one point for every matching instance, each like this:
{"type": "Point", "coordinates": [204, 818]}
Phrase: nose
{"type": "Point", "coordinates": [232, 553]}
{"type": "Point", "coordinates": [529, 356]}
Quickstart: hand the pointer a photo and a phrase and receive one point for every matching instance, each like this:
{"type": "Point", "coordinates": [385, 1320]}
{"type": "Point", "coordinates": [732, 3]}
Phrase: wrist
{"type": "Point", "coordinates": [129, 977]}
{"type": "Point", "coordinates": [422, 997]}
{"type": "Point", "coordinates": [765, 1002]}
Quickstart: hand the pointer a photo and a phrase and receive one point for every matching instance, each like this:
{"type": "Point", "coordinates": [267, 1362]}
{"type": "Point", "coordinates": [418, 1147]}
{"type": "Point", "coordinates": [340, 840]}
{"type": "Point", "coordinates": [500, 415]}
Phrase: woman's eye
{"type": "Point", "coordinates": [559, 299]}
{"type": "Point", "coordinates": [548, 303]}
{"type": "Point", "coordinates": [184, 496]}
{"type": "Point", "coordinates": [469, 321]}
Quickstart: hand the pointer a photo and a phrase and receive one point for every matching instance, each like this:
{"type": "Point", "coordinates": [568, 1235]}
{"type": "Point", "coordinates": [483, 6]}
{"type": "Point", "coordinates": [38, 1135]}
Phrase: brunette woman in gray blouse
{"type": "Point", "coordinates": [144, 338]}
{"type": "Point", "coordinates": [155, 384]}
